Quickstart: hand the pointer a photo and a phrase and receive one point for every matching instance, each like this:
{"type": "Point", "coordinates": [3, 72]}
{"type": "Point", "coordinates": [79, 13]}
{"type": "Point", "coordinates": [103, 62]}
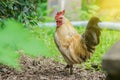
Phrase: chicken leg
{"type": "Point", "coordinates": [70, 68]}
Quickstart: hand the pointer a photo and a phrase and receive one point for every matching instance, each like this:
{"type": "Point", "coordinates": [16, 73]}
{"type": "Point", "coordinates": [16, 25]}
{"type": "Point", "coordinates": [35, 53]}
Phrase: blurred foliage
{"type": "Point", "coordinates": [27, 11]}
{"type": "Point", "coordinates": [89, 8]}
{"type": "Point", "coordinates": [14, 37]}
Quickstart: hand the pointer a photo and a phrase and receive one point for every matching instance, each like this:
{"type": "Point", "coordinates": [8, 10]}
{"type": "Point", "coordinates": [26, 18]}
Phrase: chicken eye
{"type": "Point", "coordinates": [61, 17]}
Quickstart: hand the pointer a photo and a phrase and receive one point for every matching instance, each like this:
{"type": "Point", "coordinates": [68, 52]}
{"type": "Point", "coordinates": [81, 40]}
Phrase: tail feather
{"type": "Point", "coordinates": [92, 34]}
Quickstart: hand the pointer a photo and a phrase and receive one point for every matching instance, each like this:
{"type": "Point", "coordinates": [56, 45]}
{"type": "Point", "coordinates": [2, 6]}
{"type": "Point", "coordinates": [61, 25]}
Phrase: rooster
{"type": "Point", "coordinates": [76, 48]}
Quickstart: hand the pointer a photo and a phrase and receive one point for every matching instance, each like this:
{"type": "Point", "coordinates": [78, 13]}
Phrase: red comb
{"type": "Point", "coordinates": [61, 12]}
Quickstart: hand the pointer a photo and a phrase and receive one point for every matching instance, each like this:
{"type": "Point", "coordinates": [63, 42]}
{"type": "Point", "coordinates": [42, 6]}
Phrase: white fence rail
{"type": "Point", "coordinates": [108, 25]}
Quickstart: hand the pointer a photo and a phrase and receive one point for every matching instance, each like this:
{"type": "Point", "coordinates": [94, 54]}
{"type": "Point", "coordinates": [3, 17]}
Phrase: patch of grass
{"type": "Point", "coordinates": [46, 34]}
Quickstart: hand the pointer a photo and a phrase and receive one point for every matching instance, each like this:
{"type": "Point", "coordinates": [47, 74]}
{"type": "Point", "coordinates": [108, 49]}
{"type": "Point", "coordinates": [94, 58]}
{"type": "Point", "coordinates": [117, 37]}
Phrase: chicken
{"type": "Point", "coordinates": [74, 47]}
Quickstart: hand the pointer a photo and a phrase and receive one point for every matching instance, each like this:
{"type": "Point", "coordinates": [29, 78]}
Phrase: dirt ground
{"type": "Point", "coordinates": [47, 69]}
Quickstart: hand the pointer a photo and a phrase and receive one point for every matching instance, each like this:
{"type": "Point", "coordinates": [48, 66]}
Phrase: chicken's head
{"type": "Point", "coordinates": [59, 18]}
